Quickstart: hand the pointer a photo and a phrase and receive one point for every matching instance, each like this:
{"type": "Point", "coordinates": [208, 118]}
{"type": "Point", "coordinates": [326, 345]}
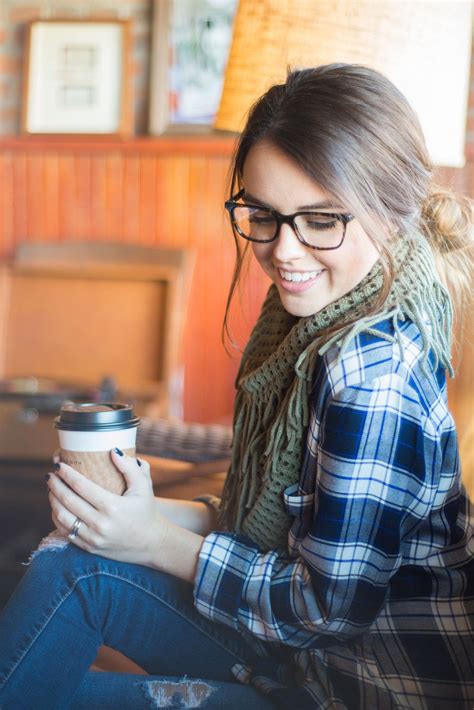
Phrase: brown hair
{"type": "Point", "coordinates": [355, 134]}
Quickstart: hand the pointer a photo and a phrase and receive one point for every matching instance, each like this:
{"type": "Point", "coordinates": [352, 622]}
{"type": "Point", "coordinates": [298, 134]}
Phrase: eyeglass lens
{"type": "Point", "coordinates": [316, 229]}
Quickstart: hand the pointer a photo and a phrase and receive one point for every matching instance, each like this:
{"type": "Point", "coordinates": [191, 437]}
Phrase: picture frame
{"type": "Point", "coordinates": [190, 45]}
{"type": "Point", "coordinates": [77, 78]}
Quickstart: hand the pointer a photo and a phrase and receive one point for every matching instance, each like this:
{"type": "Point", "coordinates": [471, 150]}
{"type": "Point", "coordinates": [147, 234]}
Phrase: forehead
{"type": "Point", "coordinates": [276, 179]}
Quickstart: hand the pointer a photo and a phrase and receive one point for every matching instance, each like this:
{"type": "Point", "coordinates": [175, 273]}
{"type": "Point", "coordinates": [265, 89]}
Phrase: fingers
{"type": "Point", "coordinates": [64, 520]}
{"type": "Point", "coordinates": [128, 463]}
{"type": "Point", "coordinates": [136, 471]}
{"type": "Point", "coordinates": [83, 538]}
{"type": "Point", "coordinates": [98, 497]}
{"type": "Point", "coordinates": [65, 503]}
{"type": "Point", "coordinates": [56, 457]}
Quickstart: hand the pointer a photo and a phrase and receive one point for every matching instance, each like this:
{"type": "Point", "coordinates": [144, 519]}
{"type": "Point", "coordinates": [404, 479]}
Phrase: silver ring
{"type": "Point", "coordinates": [75, 528]}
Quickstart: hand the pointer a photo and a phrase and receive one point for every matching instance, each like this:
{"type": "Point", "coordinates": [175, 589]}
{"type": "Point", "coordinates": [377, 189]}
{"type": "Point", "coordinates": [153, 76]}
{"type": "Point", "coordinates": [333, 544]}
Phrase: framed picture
{"type": "Point", "coordinates": [77, 78]}
{"type": "Point", "coordinates": [190, 45]}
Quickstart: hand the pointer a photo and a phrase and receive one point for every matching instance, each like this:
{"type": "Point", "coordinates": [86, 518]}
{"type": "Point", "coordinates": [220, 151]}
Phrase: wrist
{"type": "Point", "coordinates": [176, 550]}
{"type": "Point", "coordinates": [157, 536]}
{"type": "Point", "coordinates": [196, 516]}
{"type": "Point", "coordinates": [210, 511]}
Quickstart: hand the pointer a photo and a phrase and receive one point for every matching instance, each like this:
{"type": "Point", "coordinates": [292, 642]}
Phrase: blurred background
{"type": "Point", "coordinates": [115, 254]}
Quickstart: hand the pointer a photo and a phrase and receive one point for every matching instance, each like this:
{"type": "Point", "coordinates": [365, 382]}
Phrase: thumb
{"type": "Point", "coordinates": [135, 471]}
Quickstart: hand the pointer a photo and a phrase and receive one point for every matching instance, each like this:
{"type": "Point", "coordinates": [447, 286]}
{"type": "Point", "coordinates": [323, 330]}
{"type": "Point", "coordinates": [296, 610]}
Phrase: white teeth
{"type": "Point", "coordinates": [298, 275]}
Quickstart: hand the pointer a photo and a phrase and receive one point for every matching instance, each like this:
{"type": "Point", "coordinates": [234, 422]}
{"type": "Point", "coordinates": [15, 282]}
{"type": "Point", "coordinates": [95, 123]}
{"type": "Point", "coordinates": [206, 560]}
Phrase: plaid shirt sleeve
{"type": "Point", "coordinates": [374, 457]}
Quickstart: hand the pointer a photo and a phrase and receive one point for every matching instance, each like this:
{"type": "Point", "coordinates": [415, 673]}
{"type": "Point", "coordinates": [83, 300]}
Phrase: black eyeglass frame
{"type": "Point", "coordinates": [231, 205]}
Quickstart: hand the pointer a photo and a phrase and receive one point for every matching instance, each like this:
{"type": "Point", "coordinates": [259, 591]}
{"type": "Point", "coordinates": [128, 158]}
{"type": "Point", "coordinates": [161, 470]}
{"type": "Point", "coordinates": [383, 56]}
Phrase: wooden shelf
{"type": "Point", "coordinates": [214, 143]}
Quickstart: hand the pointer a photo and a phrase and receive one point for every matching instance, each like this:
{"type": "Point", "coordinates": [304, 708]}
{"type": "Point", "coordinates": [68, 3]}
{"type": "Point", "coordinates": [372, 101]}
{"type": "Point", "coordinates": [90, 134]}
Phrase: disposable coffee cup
{"type": "Point", "coordinates": [87, 433]}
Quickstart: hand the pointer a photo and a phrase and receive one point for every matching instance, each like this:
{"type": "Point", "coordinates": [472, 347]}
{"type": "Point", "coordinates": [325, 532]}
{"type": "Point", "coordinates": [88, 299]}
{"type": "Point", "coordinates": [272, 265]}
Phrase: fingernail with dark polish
{"type": "Point", "coordinates": [56, 466]}
{"type": "Point", "coordinates": [139, 462]}
{"type": "Point", "coordinates": [117, 451]}
{"type": "Point", "coordinates": [47, 476]}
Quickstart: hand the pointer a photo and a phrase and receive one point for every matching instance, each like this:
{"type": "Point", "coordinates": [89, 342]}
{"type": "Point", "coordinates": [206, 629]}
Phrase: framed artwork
{"type": "Point", "coordinates": [77, 78]}
{"type": "Point", "coordinates": [190, 45]}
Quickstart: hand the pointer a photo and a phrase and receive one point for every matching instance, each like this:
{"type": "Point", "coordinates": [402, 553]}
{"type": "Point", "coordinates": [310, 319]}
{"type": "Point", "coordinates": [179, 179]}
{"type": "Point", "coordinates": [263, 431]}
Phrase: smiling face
{"type": "Point", "coordinates": [307, 279]}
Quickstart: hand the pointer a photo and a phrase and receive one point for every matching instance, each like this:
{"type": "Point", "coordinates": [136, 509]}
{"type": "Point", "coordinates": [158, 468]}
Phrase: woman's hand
{"type": "Point", "coordinates": [128, 528]}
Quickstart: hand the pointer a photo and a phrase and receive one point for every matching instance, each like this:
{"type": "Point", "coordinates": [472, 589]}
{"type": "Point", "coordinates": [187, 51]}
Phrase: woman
{"type": "Point", "coordinates": [337, 569]}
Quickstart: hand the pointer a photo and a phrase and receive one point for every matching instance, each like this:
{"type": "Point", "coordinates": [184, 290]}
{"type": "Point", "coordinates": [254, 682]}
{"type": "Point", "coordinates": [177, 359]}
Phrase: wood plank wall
{"type": "Point", "coordinates": [166, 191]}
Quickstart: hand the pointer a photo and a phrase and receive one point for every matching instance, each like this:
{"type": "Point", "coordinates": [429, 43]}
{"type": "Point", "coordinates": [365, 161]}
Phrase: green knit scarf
{"type": "Point", "coordinates": [271, 412]}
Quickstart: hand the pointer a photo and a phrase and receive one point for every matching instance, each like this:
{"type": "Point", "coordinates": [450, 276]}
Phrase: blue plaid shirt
{"type": "Point", "coordinates": [372, 603]}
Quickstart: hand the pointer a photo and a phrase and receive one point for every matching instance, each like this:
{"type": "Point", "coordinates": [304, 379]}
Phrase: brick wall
{"type": "Point", "coordinates": [14, 16]}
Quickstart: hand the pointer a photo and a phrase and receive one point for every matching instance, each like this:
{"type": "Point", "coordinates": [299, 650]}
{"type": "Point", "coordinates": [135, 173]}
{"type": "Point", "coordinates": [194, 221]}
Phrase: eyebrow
{"type": "Point", "coordinates": [325, 204]}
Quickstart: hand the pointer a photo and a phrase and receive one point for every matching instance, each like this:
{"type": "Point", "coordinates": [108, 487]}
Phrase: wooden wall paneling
{"type": "Point", "coordinates": [199, 336]}
{"type": "Point", "coordinates": [159, 192]}
{"type": "Point", "coordinates": [190, 212]}
{"type": "Point", "coordinates": [112, 322]}
{"type": "Point", "coordinates": [175, 205]}
{"type": "Point", "coordinates": [131, 197]}
{"type": "Point", "coordinates": [50, 190]}
{"type": "Point", "coordinates": [4, 310]}
{"type": "Point", "coordinates": [98, 207]}
{"type": "Point", "coordinates": [221, 243]}
{"type": "Point", "coordinates": [6, 203]}
{"type": "Point", "coordinates": [113, 203]}
{"type": "Point", "coordinates": [114, 195]}
{"type": "Point", "coordinates": [17, 191]}
{"type": "Point", "coordinates": [206, 194]}
{"type": "Point", "coordinates": [38, 308]}
{"type": "Point", "coordinates": [83, 196]}
{"type": "Point", "coordinates": [200, 200]}
{"type": "Point", "coordinates": [114, 199]}
{"type": "Point", "coordinates": [214, 146]}
{"type": "Point", "coordinates": [191, 205]}
{"type": "Point", "coordinates": [163, 178]}
{"type": "Point", "coordinates": [67, 218]}
{"type": "Point", "coordinates": [34, 187]}
{"type": "Point", "coordinates": [146, 228]}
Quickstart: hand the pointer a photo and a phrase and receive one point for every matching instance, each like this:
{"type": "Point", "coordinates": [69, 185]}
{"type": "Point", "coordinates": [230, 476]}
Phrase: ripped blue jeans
{"type": "Point", "coordinates": [70, 602]}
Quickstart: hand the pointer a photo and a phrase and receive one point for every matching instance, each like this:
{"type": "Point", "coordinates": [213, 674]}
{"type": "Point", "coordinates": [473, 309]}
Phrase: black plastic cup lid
{"type": "Point", "coordinates": [96, 416]}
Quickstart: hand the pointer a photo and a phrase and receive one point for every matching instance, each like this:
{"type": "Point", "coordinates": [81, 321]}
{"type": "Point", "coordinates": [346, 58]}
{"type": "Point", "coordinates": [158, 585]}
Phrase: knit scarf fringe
{"type": "Point", "coordinates": [271, 411]}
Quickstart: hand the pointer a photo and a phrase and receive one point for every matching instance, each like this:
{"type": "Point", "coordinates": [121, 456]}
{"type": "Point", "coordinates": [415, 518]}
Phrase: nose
{"type": "Point", "coordinates": [287, 246]}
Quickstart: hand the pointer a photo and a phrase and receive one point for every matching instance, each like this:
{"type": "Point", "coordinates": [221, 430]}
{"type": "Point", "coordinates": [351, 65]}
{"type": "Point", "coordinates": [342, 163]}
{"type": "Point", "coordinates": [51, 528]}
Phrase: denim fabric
{"type": "Point", "coordinates": [71, 602]}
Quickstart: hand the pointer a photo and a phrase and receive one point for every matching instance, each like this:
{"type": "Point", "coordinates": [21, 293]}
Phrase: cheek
{"type": "Point", "coordinates": [365, 256]}
{"type": "Point", "coordinates": [356, 260]}
{"type": "Point", "coordinates": [262, 253]}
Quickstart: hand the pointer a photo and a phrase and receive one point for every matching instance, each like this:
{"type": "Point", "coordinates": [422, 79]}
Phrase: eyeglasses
{"type": "Point", "coordinates": [318, 230]}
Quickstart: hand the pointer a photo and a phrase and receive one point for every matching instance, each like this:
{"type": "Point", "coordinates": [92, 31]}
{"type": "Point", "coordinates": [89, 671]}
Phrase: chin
{"type": "Point", "coordinates": [297, 307]}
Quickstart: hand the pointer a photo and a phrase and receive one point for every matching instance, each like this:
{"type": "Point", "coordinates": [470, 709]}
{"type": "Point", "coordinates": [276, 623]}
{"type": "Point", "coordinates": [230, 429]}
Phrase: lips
{"type": "Point", "coordinates": [297, 281]}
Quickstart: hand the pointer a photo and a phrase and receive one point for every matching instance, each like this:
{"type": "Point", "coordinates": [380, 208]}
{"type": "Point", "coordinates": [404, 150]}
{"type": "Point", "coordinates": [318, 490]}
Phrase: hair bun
{"type": "Point", "coordinates": [447, 220]}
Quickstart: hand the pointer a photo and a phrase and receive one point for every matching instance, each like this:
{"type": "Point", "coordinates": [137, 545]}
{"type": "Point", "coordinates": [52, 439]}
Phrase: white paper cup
{"type": "Point", "coordinates": [87, 433]}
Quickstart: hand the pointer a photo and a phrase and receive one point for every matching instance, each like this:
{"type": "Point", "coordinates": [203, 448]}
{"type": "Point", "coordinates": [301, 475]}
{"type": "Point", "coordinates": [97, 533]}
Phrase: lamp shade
{"type": "Point", "coordinates": [423, 47]}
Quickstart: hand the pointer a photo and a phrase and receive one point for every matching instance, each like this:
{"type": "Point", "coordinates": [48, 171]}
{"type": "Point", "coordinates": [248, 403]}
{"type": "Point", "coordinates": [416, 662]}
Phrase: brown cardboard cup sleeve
{"type": "Point", "coordinates": [98, 467]}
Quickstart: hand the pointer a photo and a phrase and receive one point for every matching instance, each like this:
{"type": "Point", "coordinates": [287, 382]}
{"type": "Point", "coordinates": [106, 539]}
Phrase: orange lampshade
{"type": "Point", "coordinates": [423, 47]}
